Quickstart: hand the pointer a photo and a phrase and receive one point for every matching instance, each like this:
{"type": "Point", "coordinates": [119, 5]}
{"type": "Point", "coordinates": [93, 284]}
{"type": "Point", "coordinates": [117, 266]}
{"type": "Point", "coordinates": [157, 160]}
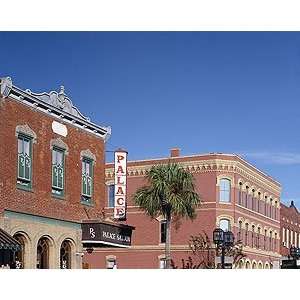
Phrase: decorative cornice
{"type": "Point", "coordinates": [212, 165]}
{"type": "Point", "coordinates": [88, 154]}
{"type": "Point", "coordinates": [54, 104]}
{"type": "Point", "coordinates": [59, 100]}
{"type": "Point", "coordinates": [26, 130]}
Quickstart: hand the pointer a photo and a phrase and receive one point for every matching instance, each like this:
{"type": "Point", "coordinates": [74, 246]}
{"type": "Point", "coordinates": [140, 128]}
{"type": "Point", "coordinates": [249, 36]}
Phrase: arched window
{"type": "Point", "coordinates": [254, 265]}
{"type": "Point", "coordinates": [258, 202]}
{"type": "Point", "coordinates": [271, 208]}
{"type": "Point", "coordinates": [241, 264]}
{"type": "Point", "coordinates": [111, 195]}
{"type": "Point", "coordinates": [240, 194]}
{"type": "Point", "coordinates": [246, 233]}
{"type": "Point", "coordinates": [275, 242]}
{"type": "Point", "coordinates": [271, 239]}
{"type": "Point", "coordinates": [225, 224]}
{"type": "Point", "coordinates": [246, 196]}
{"type": "Point", "coordinates": [224, 190]}
{"type": "Point", "coordinates": [240, 231]}
{"type": "Point", "coordinates": [43, 253]}
{"type": "Point", "coordinates": [258, 237]}
{"type": "Point", "coordinates": [287, 238]}
{"type": "Point", "coordinates": [265, 238]}
{"type": "Point", "coordinates": [253, 200]}
{"type": "Point", "coordinates": [65, 255]}
{"type": "Point", "coordinates": [283, 237]}
{"type": "Point", "coordinates": [248, 266]}
{"type": "Point", "coordinates": [253, 232]}
{"type": "Point", "coordinates": [20, 255]}
{"type": "Point", "coordinates": [266, 206]}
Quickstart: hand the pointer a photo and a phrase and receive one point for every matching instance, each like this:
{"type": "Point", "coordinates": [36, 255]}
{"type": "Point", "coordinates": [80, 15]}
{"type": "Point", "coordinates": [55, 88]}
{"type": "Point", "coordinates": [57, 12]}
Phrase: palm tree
{"type": "Point", "coordinates": [170, 192]}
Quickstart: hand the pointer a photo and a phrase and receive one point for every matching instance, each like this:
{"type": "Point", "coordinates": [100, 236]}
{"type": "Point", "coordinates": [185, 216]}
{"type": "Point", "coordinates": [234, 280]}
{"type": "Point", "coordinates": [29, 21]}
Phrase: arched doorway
{"type": "Point", "coordinates": [267, 266]}
{"type": "Point", "coordinates": [43, 253]}
{"type": "Point", "coordinates": [65, 255]}
{"type": "Point", "coordinates": [20, 255]}
{"type": "Point", "coordinates": [254, 265]}
{"type": "Point", "coordinates": [260, 265]}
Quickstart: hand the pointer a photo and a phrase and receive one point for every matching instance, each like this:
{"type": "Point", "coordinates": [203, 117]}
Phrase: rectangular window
{"type": "Point", "coordinates": [224, 190]}
{"type": "Point", "coordinates": [58, 172]}
{"type": "Point", "coordinates": [163, 232]}
{"type": "Point", "coordinates": [24, 161]}
{"type": "Point", "coordinates": [111, 195]}
{"type": "Point", "coordinates": [87, 179]}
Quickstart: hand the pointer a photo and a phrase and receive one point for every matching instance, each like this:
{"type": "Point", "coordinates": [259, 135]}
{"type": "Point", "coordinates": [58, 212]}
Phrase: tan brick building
{"type": "Point", "coordinates": [51, 175]}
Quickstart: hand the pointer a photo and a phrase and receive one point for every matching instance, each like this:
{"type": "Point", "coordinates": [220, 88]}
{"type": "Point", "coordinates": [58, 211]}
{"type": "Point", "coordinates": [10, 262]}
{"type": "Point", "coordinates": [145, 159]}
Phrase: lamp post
{"type": "Point", "coordinates": [223, 240]}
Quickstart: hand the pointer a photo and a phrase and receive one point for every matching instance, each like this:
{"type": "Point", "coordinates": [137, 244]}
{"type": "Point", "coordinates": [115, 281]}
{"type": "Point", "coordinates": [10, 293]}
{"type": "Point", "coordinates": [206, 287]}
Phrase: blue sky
{"type": "Point", "coordinates": [231, 92]}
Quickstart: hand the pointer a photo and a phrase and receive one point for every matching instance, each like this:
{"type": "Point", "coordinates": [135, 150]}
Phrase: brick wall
{"type": "Point", "coordinates": [40, 201]}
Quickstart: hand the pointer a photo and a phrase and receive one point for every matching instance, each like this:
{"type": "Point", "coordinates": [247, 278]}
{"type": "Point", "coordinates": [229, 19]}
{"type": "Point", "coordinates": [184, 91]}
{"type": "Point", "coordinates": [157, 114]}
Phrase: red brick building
{"type": "Point", "coordinates": [235, 196]}
{"type": "Point", "coordinates": [290, 228]}
{"type": "Point", "coordinates": [51, 175]}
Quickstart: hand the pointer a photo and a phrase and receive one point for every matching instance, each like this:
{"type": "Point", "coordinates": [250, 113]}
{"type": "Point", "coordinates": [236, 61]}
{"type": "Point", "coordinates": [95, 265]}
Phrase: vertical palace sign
{"type": "Point", "coordinates": [120, 185]}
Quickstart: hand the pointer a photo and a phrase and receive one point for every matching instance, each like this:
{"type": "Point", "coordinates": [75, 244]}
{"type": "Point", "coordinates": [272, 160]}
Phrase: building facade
{"type": "Point", "coordinates": [51, 176]}
{"type": "Point", "coordinates": [290, 228]}
{"type": "Point", "coordinates": [235, 196]}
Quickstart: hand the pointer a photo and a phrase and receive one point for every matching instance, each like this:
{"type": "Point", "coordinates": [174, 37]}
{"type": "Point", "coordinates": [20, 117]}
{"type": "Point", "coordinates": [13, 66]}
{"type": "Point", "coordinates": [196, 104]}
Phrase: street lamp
{"type": "Point", "coordinates": [223, 240]}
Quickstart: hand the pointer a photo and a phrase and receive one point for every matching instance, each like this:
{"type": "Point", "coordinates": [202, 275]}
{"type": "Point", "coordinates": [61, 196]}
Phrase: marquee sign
{"type": "Point", "coordinates": [120, 185]}
{"type": "Point", "coordinates": [99, 233]}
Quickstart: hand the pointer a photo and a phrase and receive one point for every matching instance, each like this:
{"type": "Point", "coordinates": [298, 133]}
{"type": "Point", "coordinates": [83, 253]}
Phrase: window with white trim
{"type": "Point", "coordinates": [24, 161]}
{"type": "Point", "coordinates": [87, 179]}
{"type": "Point", "coordinates": [224, 224]}
{"type": "Point", "coordinates": [224, 190]}
{"type": "Point", "coordinates": [58, 171]}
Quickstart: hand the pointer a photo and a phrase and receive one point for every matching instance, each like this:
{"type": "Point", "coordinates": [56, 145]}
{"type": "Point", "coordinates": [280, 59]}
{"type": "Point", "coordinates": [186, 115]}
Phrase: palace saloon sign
{"type": "Point", "coordinates": [106, 234]}
{"type": "Point", "coordinates": [120, 185]}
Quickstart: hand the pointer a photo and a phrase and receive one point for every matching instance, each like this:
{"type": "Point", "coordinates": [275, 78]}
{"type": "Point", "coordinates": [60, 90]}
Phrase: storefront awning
{"type": "Point", "coordinates": [106, 234]}
{"type": "Point", "coordinates": [8, 242]}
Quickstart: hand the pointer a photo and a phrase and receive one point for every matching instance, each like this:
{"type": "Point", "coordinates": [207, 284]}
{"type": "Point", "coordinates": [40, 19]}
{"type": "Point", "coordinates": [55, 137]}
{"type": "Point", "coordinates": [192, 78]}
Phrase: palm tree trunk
{"type": "Point", "coordinates": [168, 241]}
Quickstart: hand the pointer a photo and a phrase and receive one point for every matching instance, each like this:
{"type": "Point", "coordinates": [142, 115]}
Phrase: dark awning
{"type": "Point", "coordinates": [8, 242]}
{"type": "Point", "coordinates": [99, 233]}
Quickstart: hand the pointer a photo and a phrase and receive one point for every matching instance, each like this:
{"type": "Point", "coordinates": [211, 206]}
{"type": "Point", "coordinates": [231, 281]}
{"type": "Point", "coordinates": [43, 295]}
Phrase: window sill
{"type": "Point", "coordinates": [24, 188]}
{"type": "Point", "coordinates": [87, 203]}
{"type": "Point", "coordinates": [58, 197]}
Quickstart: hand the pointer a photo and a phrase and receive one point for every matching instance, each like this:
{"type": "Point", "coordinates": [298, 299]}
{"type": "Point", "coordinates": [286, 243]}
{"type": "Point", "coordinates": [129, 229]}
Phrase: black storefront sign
{"type": "Point", "coordinates": [98, 233]}
{"type": "Point", "coordinates": [289, 264]}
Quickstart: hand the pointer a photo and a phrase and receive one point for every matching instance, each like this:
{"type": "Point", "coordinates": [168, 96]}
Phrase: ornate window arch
{"type": "Point", "coordinates": [27, 131]}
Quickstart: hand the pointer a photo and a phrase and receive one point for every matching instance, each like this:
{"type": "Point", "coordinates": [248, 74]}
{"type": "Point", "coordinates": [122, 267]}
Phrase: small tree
{"type": "Point", "coordinates": [170, 192]}
{"type": "Point", "coordinates": [204, 253]}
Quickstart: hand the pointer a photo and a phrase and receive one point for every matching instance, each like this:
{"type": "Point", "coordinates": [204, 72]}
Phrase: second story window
{"type": "Point", "coordinates": [246, 196]}
{"type": "Point", "coordinates": [24, 161]}
{"type": "Point", "coordinates": [224, 190]}
{"type": "Point", "coordinates": [87, 179]}
{"type": "Point", "coordinates": [240, 193]}
{"type": "Point", "coordinates": [111, 195]}
{"type": "Point", "coordinates": [58, 172]}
